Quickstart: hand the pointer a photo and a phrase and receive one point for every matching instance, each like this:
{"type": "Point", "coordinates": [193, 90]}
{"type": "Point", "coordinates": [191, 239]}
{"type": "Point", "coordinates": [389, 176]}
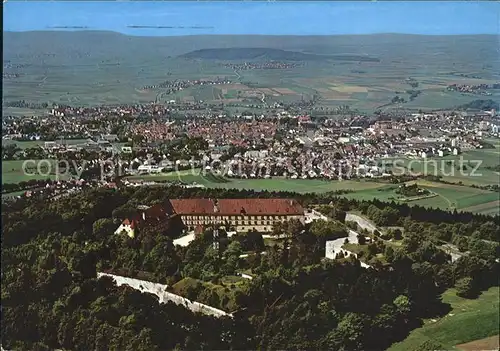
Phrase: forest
{"type": "Point", "coordinates": [52, 299]}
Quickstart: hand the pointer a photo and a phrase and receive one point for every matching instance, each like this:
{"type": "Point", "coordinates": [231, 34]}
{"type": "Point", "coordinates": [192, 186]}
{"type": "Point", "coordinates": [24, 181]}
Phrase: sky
{"type": "Point", "coordinates": [266, 18]}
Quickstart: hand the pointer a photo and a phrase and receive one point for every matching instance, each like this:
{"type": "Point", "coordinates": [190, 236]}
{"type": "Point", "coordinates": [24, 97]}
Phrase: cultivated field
{"type": "Point", "coordinates": [468, 320]}
{"type": "Point", "coordinates": [78, 68]}
{"type": "Point", "coordinates": [448, 167]}
{"type": "Point", "coordinates": [491, 343]}
{"type": "Point", "coordinates": [449, 197]}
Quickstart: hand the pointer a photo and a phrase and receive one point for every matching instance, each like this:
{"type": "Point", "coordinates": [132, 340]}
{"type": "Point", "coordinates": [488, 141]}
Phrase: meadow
{"type": "Point", "coordinates": [467, 321]}
{"type": "Point", "coordinates": [12, 171]}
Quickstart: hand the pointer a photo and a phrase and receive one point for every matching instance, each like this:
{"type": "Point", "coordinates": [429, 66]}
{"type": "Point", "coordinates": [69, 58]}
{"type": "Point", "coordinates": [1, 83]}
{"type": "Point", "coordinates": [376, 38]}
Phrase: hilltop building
{"type": "Point", "coordinates": [145, 215]}
{"type": "Point", "coordinates": [241, 215]}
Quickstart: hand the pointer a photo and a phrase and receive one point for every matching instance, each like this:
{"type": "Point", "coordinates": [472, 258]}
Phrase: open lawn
{"type": "Point", "coordinates": [12, 171]}
{"type": "Point", "coordinates": [467, 321]}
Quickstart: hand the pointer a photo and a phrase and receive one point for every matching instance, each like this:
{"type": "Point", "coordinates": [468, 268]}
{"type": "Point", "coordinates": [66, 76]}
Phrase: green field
{"type": "Point", "coordinates": [448, 167]}
{"type": "Point", "coordinates": [462, 198]}
{"type": "Point", "coordinates": [449, 197]}
{"type": "Point", "coordinates": [468, 320]}
{"type": "Point", "coordinates": [275, 184]}
{"type": "Point", "coordinates": [12, 171]}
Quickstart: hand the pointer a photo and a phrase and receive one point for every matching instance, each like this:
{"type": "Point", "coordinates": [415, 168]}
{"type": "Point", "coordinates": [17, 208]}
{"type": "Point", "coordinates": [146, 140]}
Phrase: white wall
{"type": "Point", "coordinates": [333, 247]}
{"type": "Point", "coordinates": [125, 228]}
{"type": "Point", "coordinates": [160, 290]}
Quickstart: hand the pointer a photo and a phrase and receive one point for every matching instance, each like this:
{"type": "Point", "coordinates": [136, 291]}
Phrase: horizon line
{"type": "Point", "coordinates": [74, 30]}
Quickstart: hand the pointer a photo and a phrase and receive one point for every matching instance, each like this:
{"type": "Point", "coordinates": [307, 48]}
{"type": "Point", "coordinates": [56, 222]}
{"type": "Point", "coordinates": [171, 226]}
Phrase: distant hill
{"type": "Point", "coordinates": [228, 54]}
{"type": "Point", "coordinates": [56, 47]}
{"type": "Point", "coordinates": [87, 67]}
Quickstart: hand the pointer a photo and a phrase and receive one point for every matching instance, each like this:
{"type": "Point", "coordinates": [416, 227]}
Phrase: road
{"type": "Point", "coordinates": [236, 72]}
{"type": "Point", "coordinates": [363, 223]}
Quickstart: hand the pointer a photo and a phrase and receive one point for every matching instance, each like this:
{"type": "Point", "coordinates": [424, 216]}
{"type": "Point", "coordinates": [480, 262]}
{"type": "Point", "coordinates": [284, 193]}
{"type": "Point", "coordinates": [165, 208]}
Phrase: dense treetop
{"type": "Point", "coordinates": [52, 251]}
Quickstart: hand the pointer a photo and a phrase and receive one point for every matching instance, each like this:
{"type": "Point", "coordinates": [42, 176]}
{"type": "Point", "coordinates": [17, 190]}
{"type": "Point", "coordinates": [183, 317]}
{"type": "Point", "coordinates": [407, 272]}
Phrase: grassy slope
{"type": "Point", "coordinates": [468, 320]}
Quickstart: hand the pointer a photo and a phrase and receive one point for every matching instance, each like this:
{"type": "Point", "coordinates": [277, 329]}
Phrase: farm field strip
{"type": "Point", "coordinates": [491, 343]}
{"type": "Point", "coordinates": [449, 197]}
{"type": "Point", "coordinates": [486, 207]}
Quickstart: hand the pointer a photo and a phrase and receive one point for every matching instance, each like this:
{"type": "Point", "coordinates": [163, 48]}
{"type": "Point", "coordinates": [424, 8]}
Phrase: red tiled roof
{"type": "Point", "coordinates": [237, 206]}
{"type": "Point", "coordinates": [188, 206]}
{"type": "Point", "coordinates": [155, 212]}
